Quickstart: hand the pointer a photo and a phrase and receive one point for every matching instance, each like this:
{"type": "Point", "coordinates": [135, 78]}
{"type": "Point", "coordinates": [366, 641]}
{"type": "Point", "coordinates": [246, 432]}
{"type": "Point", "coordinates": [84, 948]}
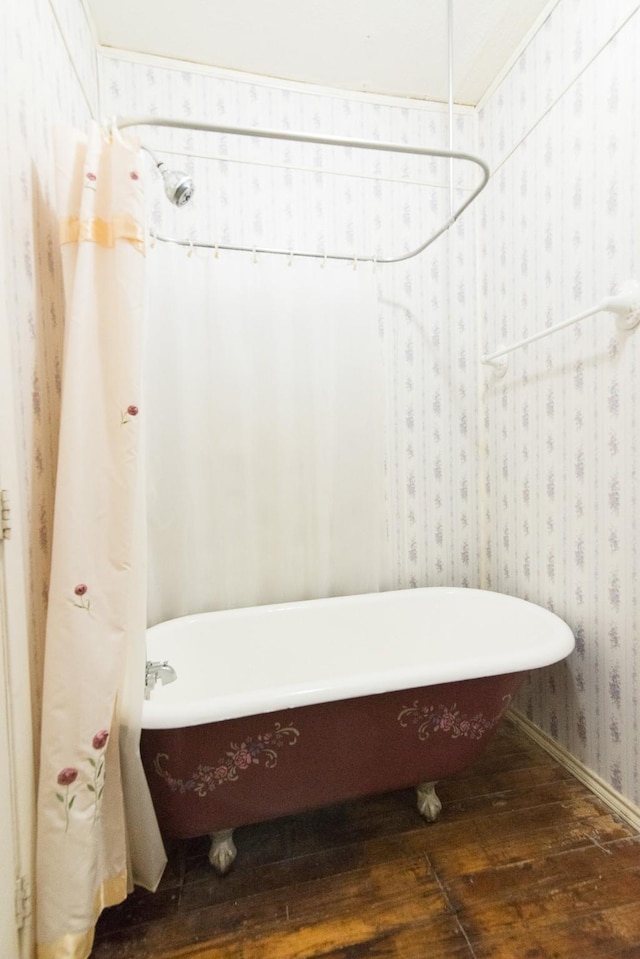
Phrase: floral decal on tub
{"type": "Point", "coordinates": [449, 719]}
{"type": "Point", "coordinates": [238, 758]}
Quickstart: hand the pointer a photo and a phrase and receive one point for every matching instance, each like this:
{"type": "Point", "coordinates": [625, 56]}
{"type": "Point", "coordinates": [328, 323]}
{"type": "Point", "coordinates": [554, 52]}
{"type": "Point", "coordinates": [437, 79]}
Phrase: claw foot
{"type": "Point", "coordinates": [223, 852]}
{"type": "Point", "coordinates": [429, 806]}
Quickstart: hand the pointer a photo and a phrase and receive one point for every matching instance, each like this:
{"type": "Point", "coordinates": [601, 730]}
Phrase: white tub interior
{"type": "Point", "coordinates": [244, 662]}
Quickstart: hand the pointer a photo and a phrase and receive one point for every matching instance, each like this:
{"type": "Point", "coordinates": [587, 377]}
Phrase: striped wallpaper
{"type": "Point", "coordinates": [527, 484]}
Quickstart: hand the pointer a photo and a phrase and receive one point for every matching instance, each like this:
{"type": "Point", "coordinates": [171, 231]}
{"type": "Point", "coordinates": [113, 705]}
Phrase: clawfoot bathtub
{"type": "Point", "coordinates": [279, 709]}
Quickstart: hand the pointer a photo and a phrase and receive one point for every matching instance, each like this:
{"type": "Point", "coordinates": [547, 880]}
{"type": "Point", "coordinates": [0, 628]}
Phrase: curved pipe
{"type": "Point", "coordinates": [122, 123]}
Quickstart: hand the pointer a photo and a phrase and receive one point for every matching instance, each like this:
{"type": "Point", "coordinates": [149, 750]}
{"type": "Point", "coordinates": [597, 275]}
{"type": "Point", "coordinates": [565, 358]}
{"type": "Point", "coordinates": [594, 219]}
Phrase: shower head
{"type": "Point", "coordinates": [178, 186]}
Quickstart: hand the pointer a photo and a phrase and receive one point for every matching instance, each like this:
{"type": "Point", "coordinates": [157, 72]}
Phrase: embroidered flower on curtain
{"type": "Point", "coordinates": [130, 411]}
{"type": "Point", "coordinates": [96, 787]}
{"type": "Point", "coordinates": [66, 778]}
{"type": "Point", "coordinates": [81, 591]}
{"type": "Point", "coordinates": [69, 775]}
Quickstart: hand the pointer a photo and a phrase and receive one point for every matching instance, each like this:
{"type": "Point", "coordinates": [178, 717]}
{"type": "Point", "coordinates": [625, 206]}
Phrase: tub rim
{"type": "Point", "coordinates": [559, 643]}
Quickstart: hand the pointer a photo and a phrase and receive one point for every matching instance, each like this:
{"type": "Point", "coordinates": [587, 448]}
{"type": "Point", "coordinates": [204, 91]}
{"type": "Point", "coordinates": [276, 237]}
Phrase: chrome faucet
{"type": "Point", "coordinates": [154, 672]}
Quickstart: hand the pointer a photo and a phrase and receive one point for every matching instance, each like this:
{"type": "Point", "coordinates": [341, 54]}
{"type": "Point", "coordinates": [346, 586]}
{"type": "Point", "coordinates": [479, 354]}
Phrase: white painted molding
{"type": "Point", "coordinates": [616, 802]}
{"type": "Point", "coordinates": [498, 164]}
{"type": "Point", "coordinates": [92, 98]}
{"type": "Point", "coordinates": [90, 23]}
{"type": "Point", "coordinates": [517, 53]}
{"type": "Point", "coordinates": [17, 787]}
{"type": "Point", "coordinates": [278, 83]}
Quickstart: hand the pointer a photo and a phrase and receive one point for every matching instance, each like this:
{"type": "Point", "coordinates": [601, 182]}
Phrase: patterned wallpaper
{"type": "Point", "coordinates": [559, 228]}
{"type": "Point", "coordinates": [48, 75]}
{"type": "Point", "coordinates": [424, 319]}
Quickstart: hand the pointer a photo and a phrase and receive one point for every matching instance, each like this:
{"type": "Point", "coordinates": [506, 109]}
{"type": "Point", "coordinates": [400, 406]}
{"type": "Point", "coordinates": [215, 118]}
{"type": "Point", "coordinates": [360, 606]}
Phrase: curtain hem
{"type": "Point", "coordinates": [79, 945]}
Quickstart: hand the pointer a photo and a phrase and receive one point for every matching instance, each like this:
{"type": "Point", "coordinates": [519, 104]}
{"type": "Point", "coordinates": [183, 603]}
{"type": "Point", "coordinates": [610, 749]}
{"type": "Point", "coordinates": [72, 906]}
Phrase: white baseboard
{"type": "Point", "coordinates": [610, 796]}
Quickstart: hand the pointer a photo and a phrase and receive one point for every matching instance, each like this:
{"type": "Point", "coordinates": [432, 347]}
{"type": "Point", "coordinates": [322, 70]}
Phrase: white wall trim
{"type": "Point", "coordinates": [293, 86]}
{"type": "Point", "coordinates": [15, 689]}
{"type": "Point", "coordinates": [517, 53]}
{"type": "Point", "coordinates": [90, 23]}
{"type": "Point", "coordinates": [610, 796]}
{"type": "Point", "coordinates": [565, 90]}
{"type": "Point", "coordinates": [88, 97]}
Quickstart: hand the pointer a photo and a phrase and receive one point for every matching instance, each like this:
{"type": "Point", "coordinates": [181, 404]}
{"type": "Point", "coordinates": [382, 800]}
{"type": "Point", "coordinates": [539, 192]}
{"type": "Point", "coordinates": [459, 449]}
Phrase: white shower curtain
{"type": "Point", "coordinates": [263, 411]}
{"type": "Point", "coordinates": [264, 393]}
{"type": "Point", "coordinates": [96, 827]}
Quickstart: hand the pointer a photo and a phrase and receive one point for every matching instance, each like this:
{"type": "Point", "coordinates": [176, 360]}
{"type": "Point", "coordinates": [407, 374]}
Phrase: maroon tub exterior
{"type": "Point", "coordinates": [225, 774]}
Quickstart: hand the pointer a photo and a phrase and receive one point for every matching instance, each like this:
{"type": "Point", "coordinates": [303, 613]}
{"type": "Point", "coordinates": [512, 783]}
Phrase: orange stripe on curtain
{"type": "Point", "coordinates": [102, 232]}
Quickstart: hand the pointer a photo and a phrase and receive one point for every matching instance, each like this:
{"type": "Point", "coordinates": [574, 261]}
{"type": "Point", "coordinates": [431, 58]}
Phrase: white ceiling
{"type": "Point", "coordinates": [395, 47]}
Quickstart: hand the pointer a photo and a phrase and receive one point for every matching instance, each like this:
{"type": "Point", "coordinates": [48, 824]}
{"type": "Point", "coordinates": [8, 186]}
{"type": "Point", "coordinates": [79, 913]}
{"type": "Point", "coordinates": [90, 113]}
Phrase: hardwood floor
{"type": "Point", "coordinates": [524, 863]}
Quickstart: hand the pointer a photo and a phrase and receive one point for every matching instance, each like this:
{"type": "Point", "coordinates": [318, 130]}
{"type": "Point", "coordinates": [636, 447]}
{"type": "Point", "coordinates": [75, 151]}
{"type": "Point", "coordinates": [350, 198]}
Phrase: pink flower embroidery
{"type": "Point", "coordinates": [100, 739]}
{"type": "Point", "coordinates": [220, 773]}
{"type": "Point", "coordinates": [98, 742]}
{"type": "Point", "coordinates": [67, 776]}
{"type": "Point", "coordinates": [134, 175]}
{"type": "Point", "coordinates": [81, 591]}
{"type": "Point", "coordinates": [91, 176]}
{"type": "Point", "coordinates": [130, 411]}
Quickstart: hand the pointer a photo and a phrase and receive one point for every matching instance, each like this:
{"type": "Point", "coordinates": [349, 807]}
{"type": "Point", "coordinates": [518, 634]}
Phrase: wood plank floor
{"type": "Point", "coordinates": [524, 863]}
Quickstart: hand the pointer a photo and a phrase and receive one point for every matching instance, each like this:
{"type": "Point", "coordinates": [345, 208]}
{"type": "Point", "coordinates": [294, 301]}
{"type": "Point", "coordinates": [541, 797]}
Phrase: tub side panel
{"type": "Point", "coordinates": [227, 774]}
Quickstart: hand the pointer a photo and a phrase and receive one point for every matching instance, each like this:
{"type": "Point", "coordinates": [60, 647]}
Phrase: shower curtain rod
{"type": "Point", "coordinates": [123, 122]}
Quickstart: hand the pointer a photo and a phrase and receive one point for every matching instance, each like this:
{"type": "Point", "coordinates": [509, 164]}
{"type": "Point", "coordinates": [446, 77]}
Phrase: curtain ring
{"type": "Point", "coordinates": [290, 260]}
{"type": "Point", "coordinates": [111, 129]}
{"type": "Point", "coordinates": [190, 250]}
{"type": "Point", "coordinates": [216, 252]}
{"type": "Point", "coordinates": [323, 262]}
{"type": "Point", "coordinates": [152, 239]}
{"type": "Point", "coordinates": [355, 263]}
{"type": "Point", "coordinates": [254, 257]}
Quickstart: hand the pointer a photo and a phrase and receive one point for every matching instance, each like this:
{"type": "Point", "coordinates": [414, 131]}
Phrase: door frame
{"type": "Point", "coordinates": [17, 786]}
